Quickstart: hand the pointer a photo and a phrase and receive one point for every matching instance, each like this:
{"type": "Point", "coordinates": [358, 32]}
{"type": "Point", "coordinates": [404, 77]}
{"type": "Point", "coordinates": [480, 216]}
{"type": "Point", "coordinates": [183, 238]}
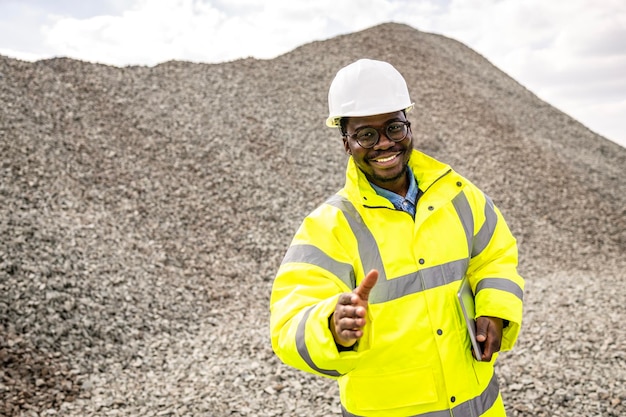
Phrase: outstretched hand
{"type": "Point", "coordinates": [489, 335]}
{"type": "Point", "coordinates": [348, 319]}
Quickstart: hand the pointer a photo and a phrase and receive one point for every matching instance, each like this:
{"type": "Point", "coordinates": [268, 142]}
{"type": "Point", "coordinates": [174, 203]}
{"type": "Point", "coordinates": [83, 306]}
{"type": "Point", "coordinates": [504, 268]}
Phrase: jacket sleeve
{"type": "Point", "coordinates": [492, 270]}
{"type": "Point", "coordinates": [317, 268]}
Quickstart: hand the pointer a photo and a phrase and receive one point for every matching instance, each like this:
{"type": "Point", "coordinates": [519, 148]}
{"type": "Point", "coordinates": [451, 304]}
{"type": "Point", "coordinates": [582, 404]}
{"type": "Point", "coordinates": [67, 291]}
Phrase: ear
{"type": "Point", "coordinates": [346, 146]}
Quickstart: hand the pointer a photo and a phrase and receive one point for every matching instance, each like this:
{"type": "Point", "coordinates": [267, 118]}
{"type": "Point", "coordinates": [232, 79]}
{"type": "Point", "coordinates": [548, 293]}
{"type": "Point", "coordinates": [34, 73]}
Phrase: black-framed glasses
{"type": "Point", "coordinates": [368, 137]}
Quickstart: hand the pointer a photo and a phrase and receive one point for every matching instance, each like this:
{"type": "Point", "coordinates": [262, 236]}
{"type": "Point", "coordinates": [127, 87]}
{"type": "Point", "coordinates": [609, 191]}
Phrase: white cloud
{"type": "Point", "coordinates": [571, 54]}
{"type": "Point", "coordinates": [148, 33]}
{"type": "Point", "coordinates": [155, 31]}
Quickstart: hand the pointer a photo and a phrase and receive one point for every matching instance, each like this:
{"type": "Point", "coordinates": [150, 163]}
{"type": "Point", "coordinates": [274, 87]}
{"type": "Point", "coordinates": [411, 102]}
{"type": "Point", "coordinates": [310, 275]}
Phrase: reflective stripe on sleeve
{"type": "Point", "coordinates": [304, 351]}
{"type": "Point", "coordinates": [501, 284]}
{"type": "Point", "coordinates": [315, 256]}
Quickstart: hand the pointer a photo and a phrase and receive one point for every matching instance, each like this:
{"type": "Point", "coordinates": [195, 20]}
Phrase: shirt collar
{"type": "Point", "coordinates": [396, 199]}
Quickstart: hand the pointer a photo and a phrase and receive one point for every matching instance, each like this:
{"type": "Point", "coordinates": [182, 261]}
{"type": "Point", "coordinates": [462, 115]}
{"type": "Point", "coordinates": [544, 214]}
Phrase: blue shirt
{"type": "Point", "coordinates": [407, 203]}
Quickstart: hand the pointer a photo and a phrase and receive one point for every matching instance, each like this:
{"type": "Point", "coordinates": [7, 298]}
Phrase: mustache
{"type": "Point", "coordinates": [377, 154]}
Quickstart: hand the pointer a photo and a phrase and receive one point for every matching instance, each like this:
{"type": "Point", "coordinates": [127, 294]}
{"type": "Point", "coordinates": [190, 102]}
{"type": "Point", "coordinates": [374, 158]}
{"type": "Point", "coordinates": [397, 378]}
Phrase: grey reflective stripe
{"type": "Point", "coordinates": [304, 351]}
{"type": "Point", "coordinates": [501, 284]}
{"type": "Point", "coordinates": [313, 255]}
{"type": "Point", "coordinates": [422, 280]}
{"type": "Point", "coordinates": [464, 211]}
{"type": "Point", "coordinates": [367, 247]}
{"type": "Point", "coordinates": [475, 244]}
{"type": "Point", "coordinates": [485, 233]}
{"type": "Point", "coordinates": [475, 407]}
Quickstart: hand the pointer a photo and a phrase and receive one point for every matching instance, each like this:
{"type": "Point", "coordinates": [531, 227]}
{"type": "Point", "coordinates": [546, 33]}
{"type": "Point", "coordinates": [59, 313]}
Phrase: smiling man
{"type": "Point", "coordinates": [367, 291]}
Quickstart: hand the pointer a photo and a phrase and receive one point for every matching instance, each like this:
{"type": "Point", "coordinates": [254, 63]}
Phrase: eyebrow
{"type": "Point", "coordinates": [395, 119]}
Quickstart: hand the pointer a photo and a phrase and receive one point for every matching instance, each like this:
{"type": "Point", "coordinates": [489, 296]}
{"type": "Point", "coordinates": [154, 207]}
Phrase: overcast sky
{"type": "Point", "coordinates": [571, 53]}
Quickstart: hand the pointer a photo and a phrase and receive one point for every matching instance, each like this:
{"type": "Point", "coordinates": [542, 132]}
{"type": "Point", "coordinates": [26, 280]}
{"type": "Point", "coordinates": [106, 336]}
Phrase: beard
{"type": "Point", "coordinates": [378, 179]}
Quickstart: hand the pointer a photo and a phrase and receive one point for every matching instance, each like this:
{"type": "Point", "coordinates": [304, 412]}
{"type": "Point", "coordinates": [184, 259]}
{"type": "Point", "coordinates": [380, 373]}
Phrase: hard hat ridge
{"type": "Point", "coordinates": [365, 88]}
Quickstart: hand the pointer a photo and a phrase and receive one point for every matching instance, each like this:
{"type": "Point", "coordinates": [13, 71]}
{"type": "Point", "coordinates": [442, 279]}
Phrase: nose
{"type": "Point", "coordinates": [383, 141]}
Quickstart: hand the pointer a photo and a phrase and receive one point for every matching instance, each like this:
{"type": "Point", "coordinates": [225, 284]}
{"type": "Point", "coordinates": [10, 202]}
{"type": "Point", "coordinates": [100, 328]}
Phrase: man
{"type": "Point", "coordinates": [367, 292]}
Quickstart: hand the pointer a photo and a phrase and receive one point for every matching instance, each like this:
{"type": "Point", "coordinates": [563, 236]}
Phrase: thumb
{"type": "Point", "coordinates": [482, 326]}
{"type": "Point", "coordinates": [364, 288]}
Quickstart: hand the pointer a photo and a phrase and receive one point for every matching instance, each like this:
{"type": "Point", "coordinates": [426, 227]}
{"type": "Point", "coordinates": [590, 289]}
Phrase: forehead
{"type": "Point", "coordinates": [376, 120]}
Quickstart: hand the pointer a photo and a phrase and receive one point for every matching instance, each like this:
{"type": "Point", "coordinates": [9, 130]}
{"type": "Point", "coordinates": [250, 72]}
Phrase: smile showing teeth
{"type": "Point", "coordinates": [386, 159]}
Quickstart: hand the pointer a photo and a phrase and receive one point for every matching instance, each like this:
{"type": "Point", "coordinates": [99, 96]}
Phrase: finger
{"type": "Point", "coordinates": [364, 288]}
{"type": "Point", "coordinates": [347, 311]}
{"type": "Point", "coordinates": [488, 351]}
{"type": "Point", "coordinates": [482, 327]}
{"type": "Point", "coordinates": [493, 338]}
{"type": "Point", "coordinates": [350, 324]}
{"type": "Point", "coordinates": [350, 335]}
{"type": "Point", "coordinates": [493, 343]}
{"type": "Point", "coordinates": [346, 299]}
{"type": "Point", "coordinates": [348, 331]}
{"type": "Point", "coordinates": [360, 312]}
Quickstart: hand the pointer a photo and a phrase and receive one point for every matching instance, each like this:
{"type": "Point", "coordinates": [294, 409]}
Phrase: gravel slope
{"type": "Point", "coordinates": [145, 210]}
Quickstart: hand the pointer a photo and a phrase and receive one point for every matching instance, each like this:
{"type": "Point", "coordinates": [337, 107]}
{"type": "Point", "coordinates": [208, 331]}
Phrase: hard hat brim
{"type": "Point", "coordinates": [334, 121]}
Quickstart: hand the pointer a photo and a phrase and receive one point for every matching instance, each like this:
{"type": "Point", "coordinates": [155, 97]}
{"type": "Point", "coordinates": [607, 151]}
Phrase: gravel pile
{"type": "Point", "coordinates": [145, 210]}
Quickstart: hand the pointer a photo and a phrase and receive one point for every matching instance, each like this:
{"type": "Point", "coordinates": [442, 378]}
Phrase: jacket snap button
{"type": "Point", "coordinates": [439, 332]}
{"type": "Point", "coordinates": [431, 208]}
{"type": "Point", "coordinates": [421, 261]}
{"type": "Point", "coordinates": [458, 183]}
{"type": "Point", "coordinates": [452, 399]}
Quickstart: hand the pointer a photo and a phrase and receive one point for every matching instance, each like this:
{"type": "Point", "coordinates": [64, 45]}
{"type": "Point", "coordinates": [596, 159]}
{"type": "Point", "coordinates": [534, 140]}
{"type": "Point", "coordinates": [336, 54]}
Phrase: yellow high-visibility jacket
{"type": "Point", "coordinates": [414, 357]}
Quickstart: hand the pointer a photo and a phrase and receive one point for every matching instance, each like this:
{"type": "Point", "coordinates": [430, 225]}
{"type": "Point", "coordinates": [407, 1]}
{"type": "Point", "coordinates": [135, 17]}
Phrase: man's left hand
{"type": "Point", "coordinates": [489, 335]}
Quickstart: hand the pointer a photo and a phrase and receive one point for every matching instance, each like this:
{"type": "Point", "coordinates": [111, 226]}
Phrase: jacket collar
{"type": "Point", "coordinates": [426, 169]}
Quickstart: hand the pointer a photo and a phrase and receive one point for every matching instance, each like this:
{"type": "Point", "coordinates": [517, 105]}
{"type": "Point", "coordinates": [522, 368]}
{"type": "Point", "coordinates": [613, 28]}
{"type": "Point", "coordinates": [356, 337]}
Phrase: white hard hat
{"type": "Point", "coordinates": [366, 88]}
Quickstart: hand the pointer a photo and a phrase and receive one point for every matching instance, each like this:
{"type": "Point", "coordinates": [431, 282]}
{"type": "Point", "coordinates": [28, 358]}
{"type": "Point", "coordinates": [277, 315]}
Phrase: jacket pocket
{"type": "Point", "coordinates": [389, 390]}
